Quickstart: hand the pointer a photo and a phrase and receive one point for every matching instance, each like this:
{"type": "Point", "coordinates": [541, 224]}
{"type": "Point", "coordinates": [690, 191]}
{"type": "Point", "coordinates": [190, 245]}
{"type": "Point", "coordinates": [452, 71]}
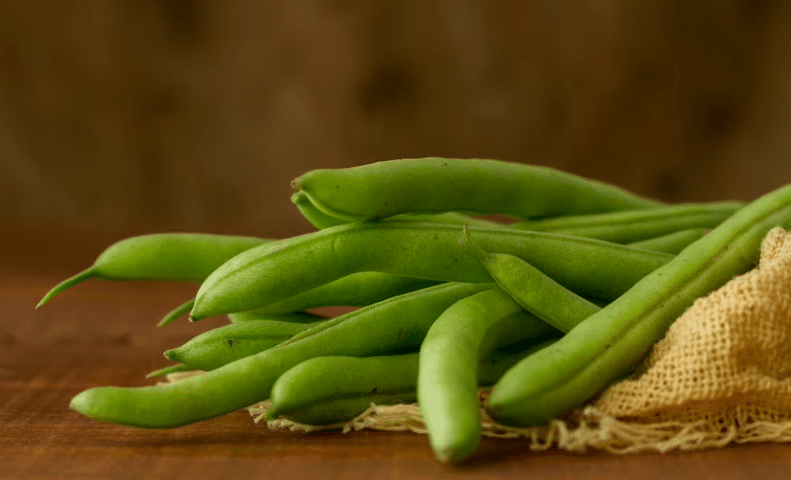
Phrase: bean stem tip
{"type": "Point", "coordinates": [69, 282]}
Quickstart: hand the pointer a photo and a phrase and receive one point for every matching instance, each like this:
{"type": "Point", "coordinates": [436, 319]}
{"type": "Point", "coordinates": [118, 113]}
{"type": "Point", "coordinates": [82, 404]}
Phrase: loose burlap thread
{"type": "Point", "coordinates": [721, 374]}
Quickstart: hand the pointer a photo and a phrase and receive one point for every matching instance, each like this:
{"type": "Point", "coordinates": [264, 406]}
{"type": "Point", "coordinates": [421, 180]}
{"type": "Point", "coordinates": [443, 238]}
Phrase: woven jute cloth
{"type": "Point", "coordinates": [721, 374]}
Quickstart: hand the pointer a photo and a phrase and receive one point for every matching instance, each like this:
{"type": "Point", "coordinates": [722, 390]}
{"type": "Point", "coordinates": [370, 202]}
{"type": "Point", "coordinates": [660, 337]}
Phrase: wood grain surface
{"type": "Point", "coordinates": [103, 333]}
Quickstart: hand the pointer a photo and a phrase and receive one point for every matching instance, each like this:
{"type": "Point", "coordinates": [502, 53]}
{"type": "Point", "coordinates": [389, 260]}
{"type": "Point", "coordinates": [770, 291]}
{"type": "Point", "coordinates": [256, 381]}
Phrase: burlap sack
{"type": "Point", "coordinates": [722, 374]}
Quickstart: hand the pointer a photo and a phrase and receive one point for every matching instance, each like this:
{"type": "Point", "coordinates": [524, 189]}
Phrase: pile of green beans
{"type": "Point", "coordinates": [548, 308]}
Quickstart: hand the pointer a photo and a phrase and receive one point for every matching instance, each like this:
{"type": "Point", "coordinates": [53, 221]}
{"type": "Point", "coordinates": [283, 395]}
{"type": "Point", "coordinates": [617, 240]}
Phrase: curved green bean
{"type": "Point", "coordinates": [535, 291]}
{"type": "Point", "coordinates": [608, 344]}
{"type": "Point", "coordinates": [329, 390]}
{"type": "Point", "coordinates": [449, 218]}
{"type": "Point", "coordinates": [672, 242]}
{"type": "Point", "coordinates": [393, 325]}
{"type": "Point", "coordinates": [437, 185]}
{"type": "Point", "coordinates": [447, 382]}
{"type": "Point", "coordinates": [279, 269]}
{"type": "Point", "coordinates": [222, 345]}
{"type": "Point", "coordinates": [161, 256]}
{"type": "Point", "coordinates": [354, 290]}
{"type": "Point", "coordinates": [326, 390]}
{"type": "Point", "coordinates": [182, 309]}
{"type": "Point", "coordinates": [291, 317]}
{"type": "Point", "coordinates": [175, 368]}
{"type": "Point", "coordinates": [313, 215]}
{"type": "Point", "coordinates": [321, 220]}
{"type": "Point", "coordinates": [636, 225]}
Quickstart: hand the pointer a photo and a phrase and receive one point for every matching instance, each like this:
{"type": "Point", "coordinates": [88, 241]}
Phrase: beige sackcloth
{"type": "Point", "coordinates": [721, 374]}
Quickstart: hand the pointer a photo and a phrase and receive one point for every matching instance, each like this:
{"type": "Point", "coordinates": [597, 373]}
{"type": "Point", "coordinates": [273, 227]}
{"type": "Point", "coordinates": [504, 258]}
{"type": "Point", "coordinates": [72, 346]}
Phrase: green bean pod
{"type": "Point", "coordinates": [187, 257]}
{"type": "Point", "coordinates": [447, 382]}
{"type": "Point", "coordinates": [327, 390]}
{"type": "Point", "coordinates": [174, 368]}
{"type": "Point", "coordinates": [313, 215]}
{"type": "Point", "coordinates": [535, 291]}
{"type": "Point", "coordinates": [354, 290]}
{"type": "Point", "coordinates": [290, 317]}
{"type": "Point", "coordinates": [436, 185]}
{"type": "Point", "coordinates": [330, 390]}
{"type": "Point", "coordinates": [672, 242]}
{"type": "Point", "coordinates": [279, 269]}
{"type": "Point", "coordinates": [321, 220]}
{"type": "Point", "coordinates": [222, 345]}
{"type": "Point", "coordinates": [608, 344]}
{"type": "Point", "coordinates": [449, 218]}
{"type": "Point", "coordinates": [636, 225]}
{"type": "Point", "coordinates": [393, 325]}
{"type": "Point", "coordinates": [172, 315]}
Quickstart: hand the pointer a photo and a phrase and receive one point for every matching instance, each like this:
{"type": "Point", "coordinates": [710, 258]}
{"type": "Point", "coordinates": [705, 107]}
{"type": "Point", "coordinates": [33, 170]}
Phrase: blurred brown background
{"type": "Point", "coordinates": [176, 114]}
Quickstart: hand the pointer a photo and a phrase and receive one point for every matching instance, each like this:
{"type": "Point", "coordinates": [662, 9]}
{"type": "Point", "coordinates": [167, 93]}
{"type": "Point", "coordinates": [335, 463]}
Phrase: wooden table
{"type": "Point", "coordinates": [103, 333]}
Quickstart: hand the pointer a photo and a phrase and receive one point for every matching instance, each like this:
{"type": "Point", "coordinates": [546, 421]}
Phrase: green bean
{"type": "Point", "coordinates": [283, 311]}
{"type": "Point", "coordinates": [321, 220]}
{"type": "Point", "coordinates": [329, 390]}
{"type": "Point", "coordinates": [672, 242]}
{"type": "Point", "coordinates": [355, 290]}
{"type": "Point", "coordinates": [333, 389]}
{"type": "Point", "coordinates": [291, 317]}
{"type": "Point", "coordinates": [182, 309]}
{"type": "Point", "coordinates": [393, 325]}
{"type": "Point", "coordinates": [162, 256]}
{"type": "Point", "coordinates": [199, 353]}
{"type": "Point", "coordinates": [222, 345]}
{"type": "Point", "coordinates": [636, 225]}
{"type": "Point", "coordinates": [313, 215]}
{"type": "Point", "coordinates": [450, 218]}
{"type": "Point", "coordinates": [535, 291]}
{"type": "Point", "coordinates": [447, 382]}
{"type": "Point", "coordinates": [608, 344]}
{"type": "Point", "coordinates": [538, 293]}
{"type": "Point", "coordinates": [277, 270]}
{"type": "Point", "coordinates": [175, 368]}
{"type": "Point", "coordinates": [436, 185]}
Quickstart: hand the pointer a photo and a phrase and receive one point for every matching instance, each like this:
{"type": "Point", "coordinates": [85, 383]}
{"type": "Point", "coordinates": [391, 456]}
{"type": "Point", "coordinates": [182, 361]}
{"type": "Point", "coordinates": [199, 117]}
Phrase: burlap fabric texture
{"type": "Point", "coordinates": [722, 374]}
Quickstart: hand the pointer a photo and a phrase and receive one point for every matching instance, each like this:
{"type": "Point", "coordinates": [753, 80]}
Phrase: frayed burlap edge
{"type": "Point", "coordinates": [586, 428]}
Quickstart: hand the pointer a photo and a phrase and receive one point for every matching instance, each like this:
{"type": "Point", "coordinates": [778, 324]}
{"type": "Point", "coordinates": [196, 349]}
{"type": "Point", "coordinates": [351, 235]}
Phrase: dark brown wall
{"type": "Point", "coordinates": [199, 113]}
